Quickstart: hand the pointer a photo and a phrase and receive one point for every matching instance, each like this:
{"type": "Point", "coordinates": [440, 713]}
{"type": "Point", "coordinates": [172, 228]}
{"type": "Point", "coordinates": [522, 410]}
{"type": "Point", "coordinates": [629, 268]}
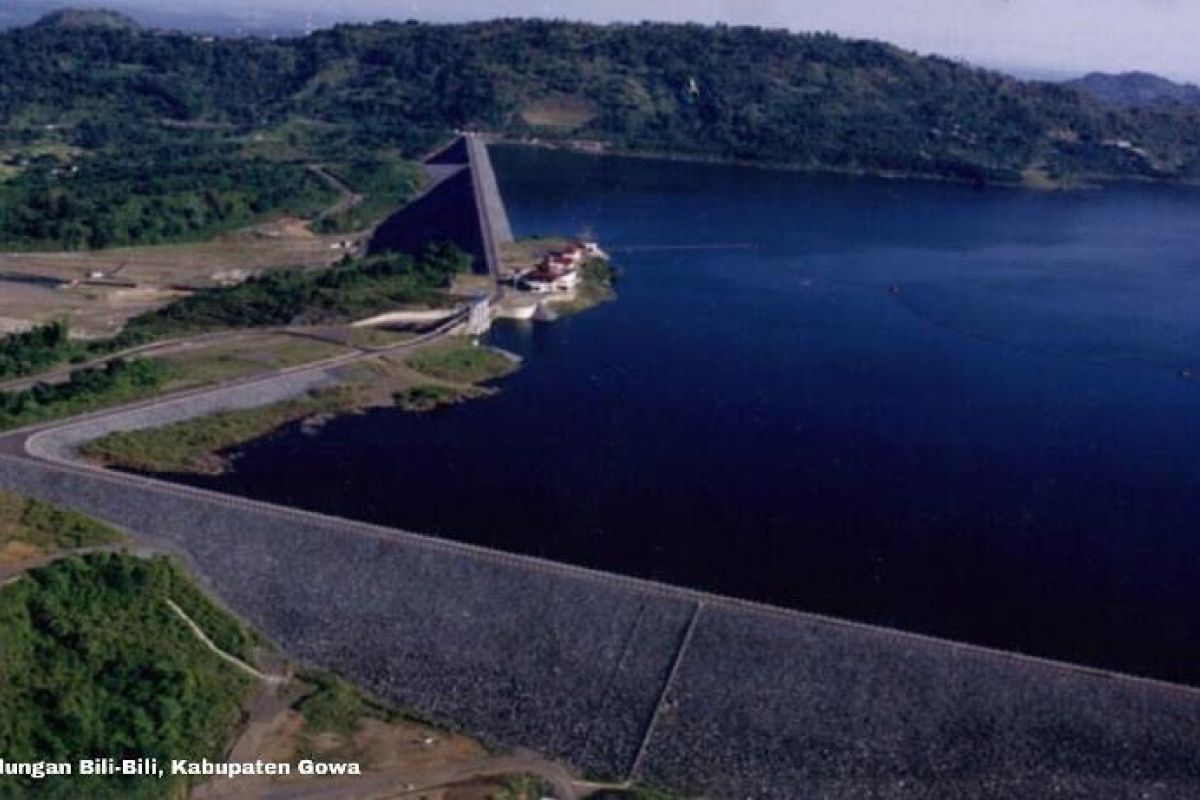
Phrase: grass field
{"type": "Point", "coordinates": [241, 358]}
{"type": "Point", "coordinates": [30, 528]}
{"type": "Point", "coordinates": [195, 445]}
{"type": "Point", "coordinates": [460, 361]}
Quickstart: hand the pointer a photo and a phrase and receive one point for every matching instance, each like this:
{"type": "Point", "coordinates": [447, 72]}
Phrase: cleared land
{"type": "Point", "coordinates": [244, 356]}
{"type": "Point", "coordinates": [560, 113]}
{"type": "Point", "coordinates": [93, 311]}
{"type": "Point", "coordinates": [98, 307]}
{"type": "Point", "coordinates": [321, 717]}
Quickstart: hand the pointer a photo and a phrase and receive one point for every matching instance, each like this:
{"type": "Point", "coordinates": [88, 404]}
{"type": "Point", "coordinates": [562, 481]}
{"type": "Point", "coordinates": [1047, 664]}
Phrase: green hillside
{"type": "Point", "coordinates": [124, 105]}
{"type": "Point", "coordinates": [93, 662]}
{"type": "Point", "coordinates": [87, 18]}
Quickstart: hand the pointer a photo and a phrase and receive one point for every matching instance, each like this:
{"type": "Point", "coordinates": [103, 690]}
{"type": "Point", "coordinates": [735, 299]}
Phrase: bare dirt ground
{"type": "Point", "coordinates": [562, 113]}
{"type": "Point", "coordinates": [94, 311]}
{"type": "Point", "coordinates": [99, 290]}
{"type": "Point", "coordinates": [402, 758]}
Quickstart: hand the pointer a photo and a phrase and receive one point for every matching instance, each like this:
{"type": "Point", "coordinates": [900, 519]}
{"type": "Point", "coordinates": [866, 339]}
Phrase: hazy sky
{"type": "Point", "coordinates": [1035, 35]}
{"type": "Point", "coordinates": [1068, 35]}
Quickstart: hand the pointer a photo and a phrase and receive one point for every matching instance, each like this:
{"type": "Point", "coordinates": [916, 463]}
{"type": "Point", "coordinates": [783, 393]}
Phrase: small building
{"type": "Point", "coordinates": [559, 271]}
{"type": "Point", "coordinates": [569, 256]}
{"type": "Point", "coordinates": [541, 282]}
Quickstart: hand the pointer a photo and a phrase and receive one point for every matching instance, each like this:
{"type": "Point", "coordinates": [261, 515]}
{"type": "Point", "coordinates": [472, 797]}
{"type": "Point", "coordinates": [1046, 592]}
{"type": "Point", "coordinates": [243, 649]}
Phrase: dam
{"type": "Point", "coordinates": [461, 177]}
{"type": "Point", "coordinates": [625, 678]}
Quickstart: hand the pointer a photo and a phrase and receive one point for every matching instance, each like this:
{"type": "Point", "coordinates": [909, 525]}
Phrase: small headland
{"type": "Point", "coordinates": [443, 373]}
{"type": "Point", "coordinates": [547, 277]}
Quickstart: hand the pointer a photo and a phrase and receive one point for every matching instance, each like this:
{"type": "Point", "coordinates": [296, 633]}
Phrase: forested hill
{"type": "Point", "coordinates": [1137, 89]}
{"type": "Point", "coordinates": [87, 18]}
{"type": "Point", "coordinates": [815, 101]}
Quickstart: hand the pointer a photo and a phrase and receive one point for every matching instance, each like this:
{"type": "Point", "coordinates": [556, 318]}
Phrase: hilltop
{"type": "Point", "coordinates": [1137, 89]}
{"type": "Point", "coordinates": [76, 18]}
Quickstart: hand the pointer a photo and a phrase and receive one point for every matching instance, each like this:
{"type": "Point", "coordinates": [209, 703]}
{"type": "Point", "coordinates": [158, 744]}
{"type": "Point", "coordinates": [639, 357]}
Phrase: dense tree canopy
{"type": "Point", "coordinates": [96, 664]}
{"type": "Point", "coordinates": [815, 100]}
{"type": "Point", "coordinates": [112, 135]}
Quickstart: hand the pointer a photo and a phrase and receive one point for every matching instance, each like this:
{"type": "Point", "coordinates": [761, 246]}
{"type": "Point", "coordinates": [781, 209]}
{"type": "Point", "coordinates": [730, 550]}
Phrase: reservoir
{"type": "Point", "coordinates": [969, 413]}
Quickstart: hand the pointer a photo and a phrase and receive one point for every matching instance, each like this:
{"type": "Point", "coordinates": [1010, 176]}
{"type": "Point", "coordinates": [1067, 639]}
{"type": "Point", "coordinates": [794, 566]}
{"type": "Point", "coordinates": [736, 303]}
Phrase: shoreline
{"type": "Point", "coordinates": [206, 443]}
{"type": "Point", "coordinates": [1085, 182]}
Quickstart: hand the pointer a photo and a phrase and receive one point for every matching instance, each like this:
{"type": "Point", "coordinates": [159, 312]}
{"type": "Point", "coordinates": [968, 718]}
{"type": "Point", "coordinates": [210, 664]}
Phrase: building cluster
{"type": "Point", "coordinates": [558, 271]}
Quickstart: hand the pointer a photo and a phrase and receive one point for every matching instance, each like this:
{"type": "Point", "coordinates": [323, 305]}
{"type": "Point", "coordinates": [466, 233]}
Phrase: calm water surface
{"type": "Point", "coordinates": [962, 412]}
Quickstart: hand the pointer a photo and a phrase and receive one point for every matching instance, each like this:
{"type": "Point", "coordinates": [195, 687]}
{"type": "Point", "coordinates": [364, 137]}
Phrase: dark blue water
{"type": "Point", "coordinates": [961, 412]}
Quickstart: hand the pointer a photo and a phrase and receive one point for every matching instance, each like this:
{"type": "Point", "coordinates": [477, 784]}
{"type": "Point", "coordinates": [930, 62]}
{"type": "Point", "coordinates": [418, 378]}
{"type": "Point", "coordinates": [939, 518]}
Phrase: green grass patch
{"type": "Point", "coordinates": [49, 528]}
{"type": "Point", "coordinates": [193, 445]}
{"type": "Point", "coordinates": [460, 361]}
{"type": "Point", "coordinates": [240, 359]}
{"type": "Point", "coordinates": [222, 629]}
{"type": "Point", "coordinates": [524, 787]}
{"type": "Point", "coordinates": [335, 706]}
{"type": "Point", "coordinates": [95, 663]}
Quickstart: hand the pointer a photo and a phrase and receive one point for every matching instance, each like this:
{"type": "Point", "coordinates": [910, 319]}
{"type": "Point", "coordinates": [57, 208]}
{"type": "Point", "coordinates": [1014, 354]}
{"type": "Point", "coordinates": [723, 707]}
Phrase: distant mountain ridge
{"type": "Point", "coordinates": [1137, 90]}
